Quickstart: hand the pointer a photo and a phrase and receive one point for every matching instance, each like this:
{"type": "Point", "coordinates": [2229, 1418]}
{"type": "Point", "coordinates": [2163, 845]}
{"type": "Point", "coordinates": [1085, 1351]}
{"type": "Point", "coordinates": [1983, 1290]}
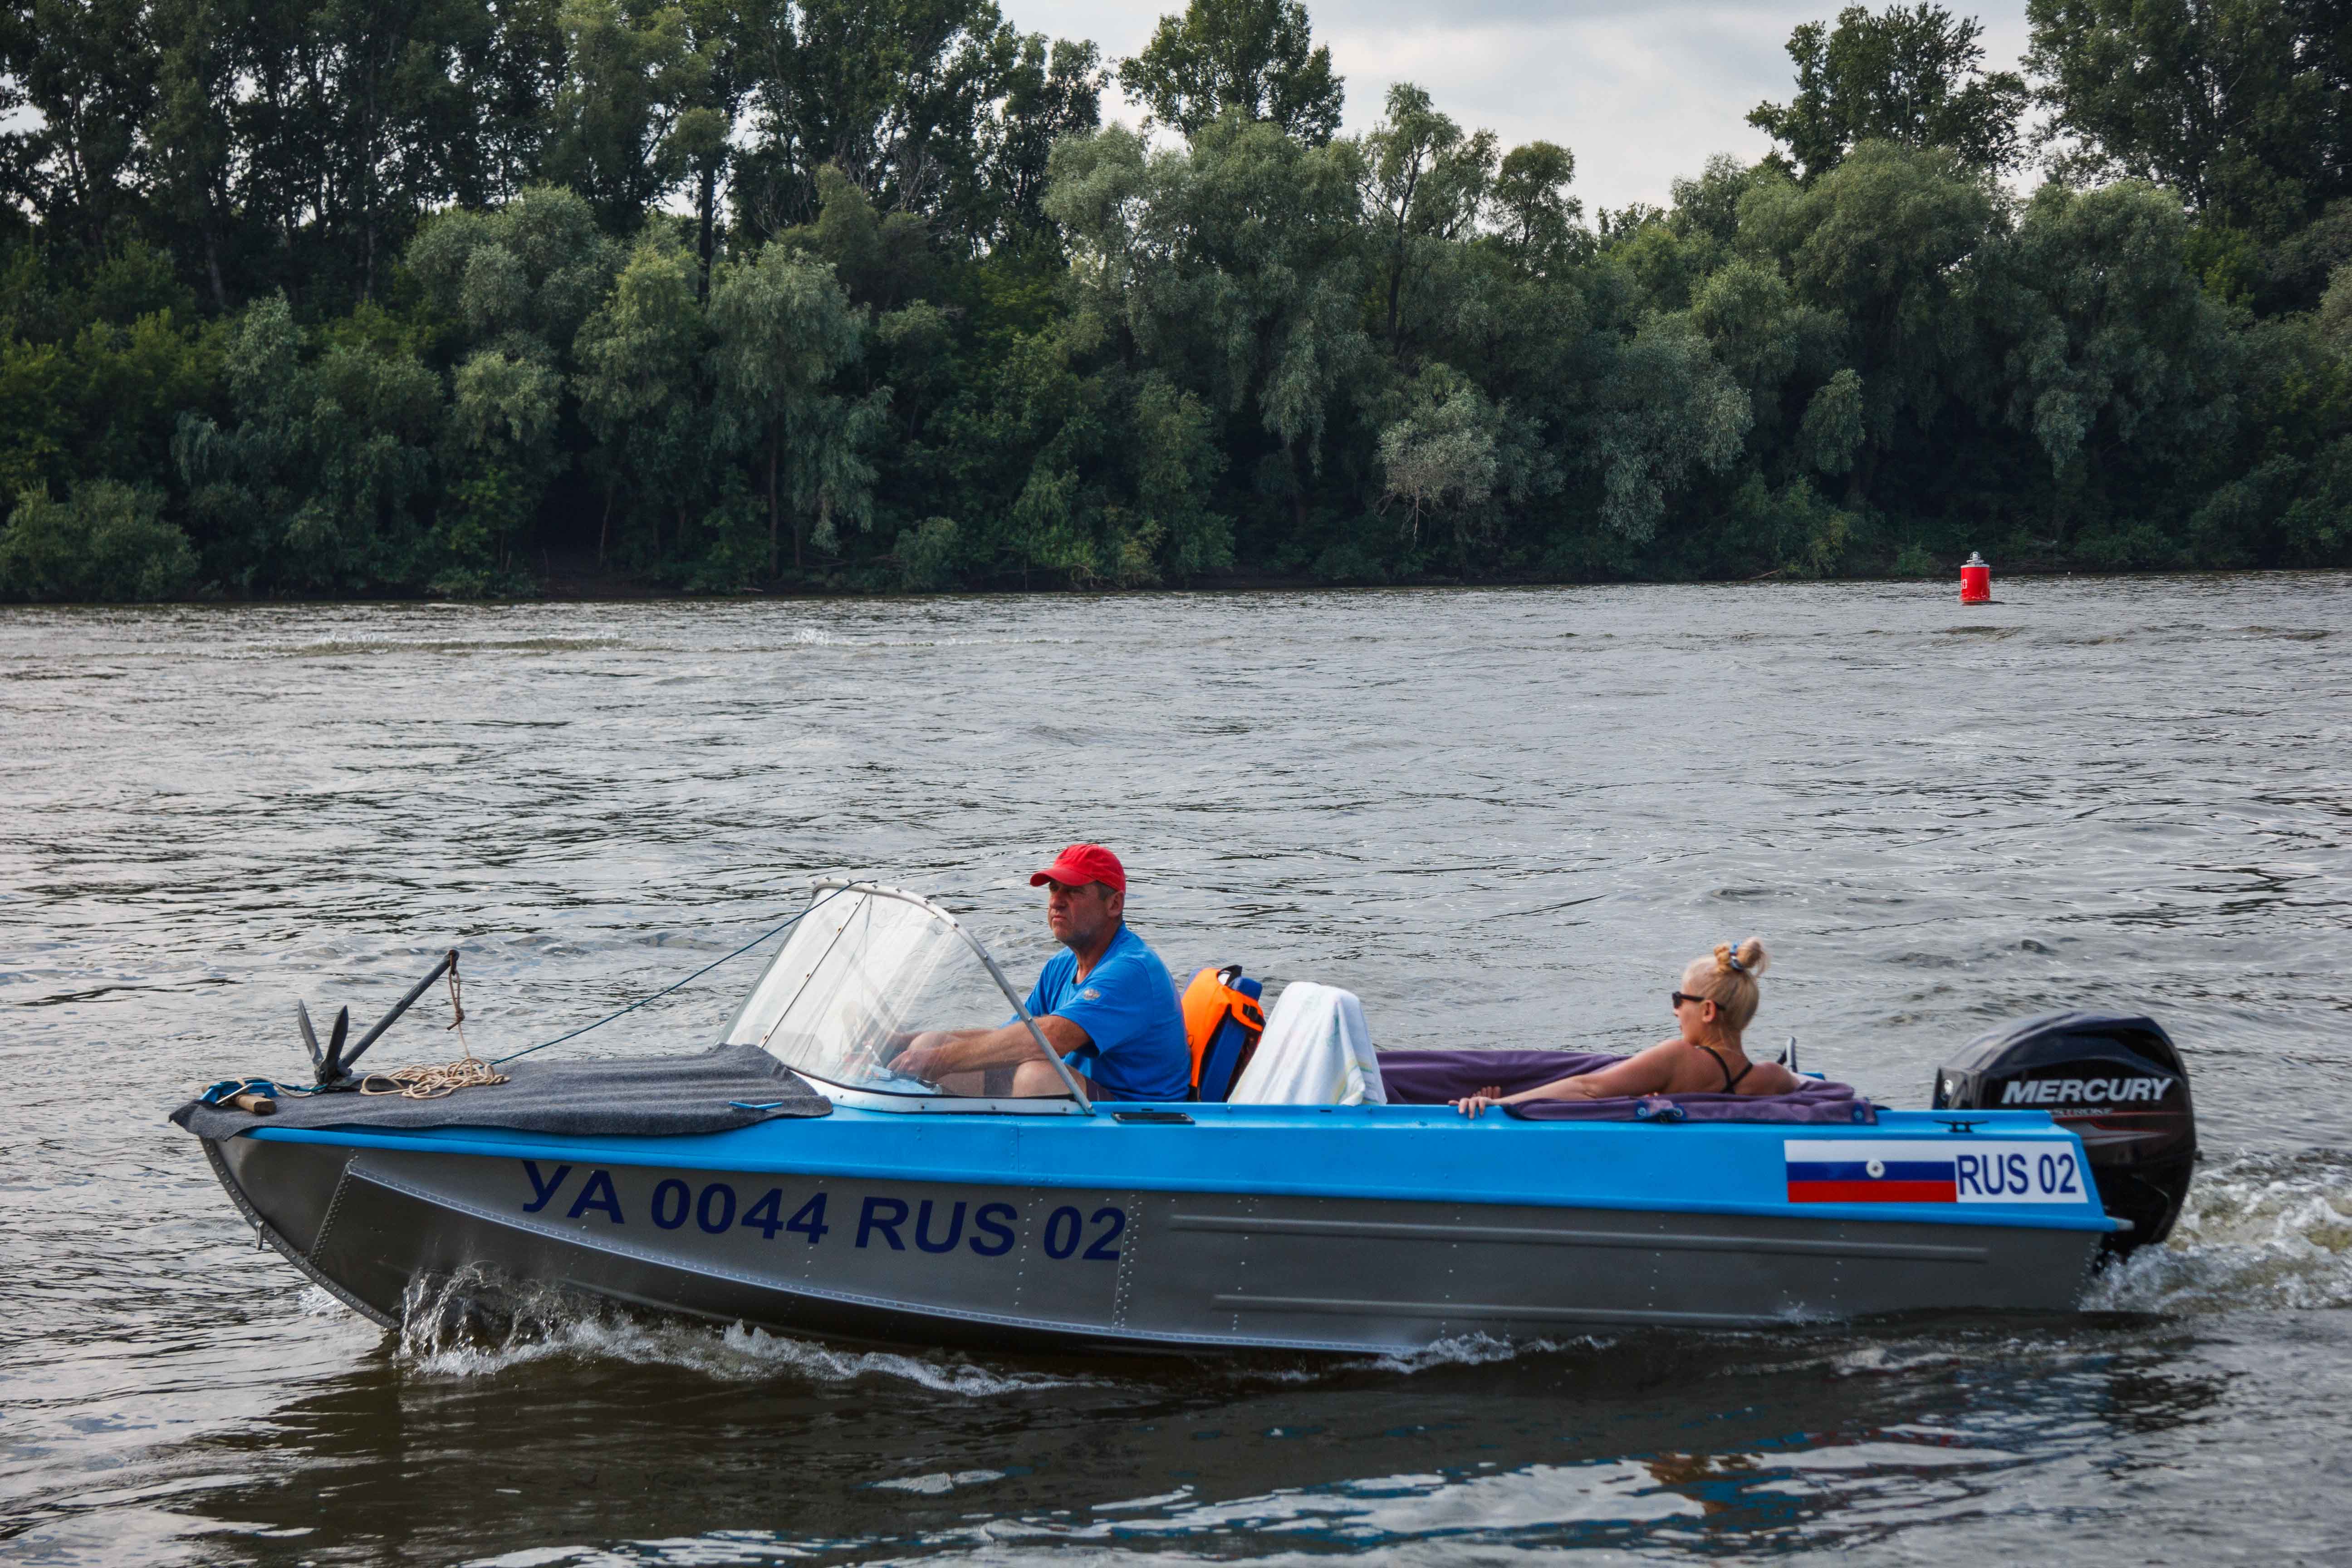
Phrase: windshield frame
{"type": "Point", "coordinates": [827, 888]}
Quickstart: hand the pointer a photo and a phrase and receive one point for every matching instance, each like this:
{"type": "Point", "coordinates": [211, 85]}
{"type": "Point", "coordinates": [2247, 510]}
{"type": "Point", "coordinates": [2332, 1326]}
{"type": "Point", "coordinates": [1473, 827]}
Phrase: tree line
{"type": "Point", "coordinates": [331, 298]}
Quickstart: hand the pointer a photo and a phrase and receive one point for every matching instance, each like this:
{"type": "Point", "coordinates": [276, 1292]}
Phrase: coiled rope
{"type": "Point", "coordinates": [469, 1071]}
{"type": "Point", "coordinates": [432, 1082]}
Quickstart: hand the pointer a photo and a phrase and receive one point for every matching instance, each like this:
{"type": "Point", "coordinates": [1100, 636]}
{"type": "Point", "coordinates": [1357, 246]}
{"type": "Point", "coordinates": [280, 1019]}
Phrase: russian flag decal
{"type": "Point", "coordinates": [1934, 1171]}
{"type": "Point", "coordinates": [1855, 1171]}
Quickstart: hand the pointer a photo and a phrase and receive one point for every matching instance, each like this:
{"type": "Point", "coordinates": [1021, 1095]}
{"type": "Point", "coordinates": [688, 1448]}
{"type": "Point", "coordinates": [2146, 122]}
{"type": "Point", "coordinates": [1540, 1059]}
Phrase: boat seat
{"type": "Point", "coordinates": [1437, 1077]}
{"type": "Point", "coordinates": [1316, 1050]}
{"type": "Point", "coordinates": [1440, 1078]}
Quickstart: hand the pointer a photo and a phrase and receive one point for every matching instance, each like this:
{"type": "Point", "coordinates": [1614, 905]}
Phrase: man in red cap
{"type": "Point", "coordinates": [1105, 1002]}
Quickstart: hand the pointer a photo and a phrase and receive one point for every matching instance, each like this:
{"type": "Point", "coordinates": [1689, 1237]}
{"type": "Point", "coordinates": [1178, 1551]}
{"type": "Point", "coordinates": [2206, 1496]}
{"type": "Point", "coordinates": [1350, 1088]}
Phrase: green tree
{"type": "Point", "coordinates": [130, 384]}
{"type": "Point", "coordinates": [1671, 255]}
{"type": "Point", "coordinates": [396, 126]}
{"type": "Point", "coordinates": [2114, 345]}
{"type": "Point", "coordinates": [1830, 435]}
{"type": "Point", "coordinates": [891, 92]}
{"type": "Point", "coordinates": [1665, 412]}
{"type": "Point", "coordinates": [926, 554]}
{"type": "Point", "coordinates": [524, 274]}
{"type": "Point", "coordinates": [1749, 318]}
{"type": "Point", "coordinates": [1236, 266]}
{"type": "Point", "coordinates": [501, 455]}
{"type": "Point", "coordinates": [37, 434]}
{"type": "Point", "coordinates": [1255, 59]}
{"type": "Point", "coordinates": [1892, 245]}
{"type": "Point", "coordinates": [316, 479]}
{"type": "Point", "coordinates": [783, 330]}
{"type": "Point", "coordinates": [351, 119]}
{"type": "Point", "coordinates": [1051, 91]}
{"type": "Point", "coordinates": [882, 260]}
{"type": "Point", "coordinates": [718, 32]}
{"type": "Point", "coordinates": [968, 335]}
{"type": "Point", "coordinates": [1536, 221]}
{"type": "Point", "coordinates": [109, 542]}
{"type": "Point", "coordinates": [640, 357]}
{"type": "Point", "coordinates": [78, 84]}
{"type": "Point", "coordinates": [1426, 184]}
{"type": "Point", "coordinates": [501, 66]}
{"type": "Point", "coordinates": [2335, 309]}
{"type": "Point", "coordinates": [1911, 76]}
{"type": "Point", "coordinates": [2285, 495]}
{"type": "Point", "coordinates": [1440, 461]}
{"type": "Point", "coordinates": [1177, 464]}
{"type": "Point", "coordinates": [1707, 206]}
{"type": "Point", "coordinates": [194, 133]}
{"type": "Point", "coordinates": [632, 78]}
{"type": "Point", "coordinates": [2238, 105]}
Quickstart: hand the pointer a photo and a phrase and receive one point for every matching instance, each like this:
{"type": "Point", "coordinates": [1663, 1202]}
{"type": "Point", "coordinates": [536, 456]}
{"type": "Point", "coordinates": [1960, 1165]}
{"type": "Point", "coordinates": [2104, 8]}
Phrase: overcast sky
{"type": "Point", "coordinates": [1641, 91]}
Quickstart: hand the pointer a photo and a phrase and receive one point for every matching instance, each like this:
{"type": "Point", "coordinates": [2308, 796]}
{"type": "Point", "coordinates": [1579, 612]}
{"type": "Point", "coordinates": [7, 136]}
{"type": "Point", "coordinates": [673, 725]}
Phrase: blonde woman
{"type": "Point", "coordinates": [1718, 997]}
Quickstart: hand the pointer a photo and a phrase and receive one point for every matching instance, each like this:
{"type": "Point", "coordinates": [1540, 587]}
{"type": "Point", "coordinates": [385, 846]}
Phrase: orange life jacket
{"type": "Point", "coordinates": [1223, 1020]}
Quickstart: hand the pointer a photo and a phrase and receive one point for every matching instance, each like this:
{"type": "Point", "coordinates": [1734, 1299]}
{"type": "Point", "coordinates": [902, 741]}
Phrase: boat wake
{"type": "Point", "coordinates": [2267, 1232]}
{"type": "Point", "coordinates": [475, 1325]}
{"type": "Point", "coordinates": [1481, 1350]}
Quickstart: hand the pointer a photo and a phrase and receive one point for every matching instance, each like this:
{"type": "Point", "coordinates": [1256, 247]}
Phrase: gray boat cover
{"type": "Point", "coordinates": [1433, 1077]}
{"type": "Point", "coordinates": [713, 1092]}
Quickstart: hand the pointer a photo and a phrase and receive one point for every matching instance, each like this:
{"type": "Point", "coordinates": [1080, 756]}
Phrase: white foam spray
{"type": "Point", "coordinates": [473, 1324]}
{"type": "Point", "coordinates": [2267, 1232]}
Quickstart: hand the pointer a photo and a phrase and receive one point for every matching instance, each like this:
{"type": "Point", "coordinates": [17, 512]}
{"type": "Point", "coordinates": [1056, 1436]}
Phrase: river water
{"type": "Point", "coordinates": [1503, 818]}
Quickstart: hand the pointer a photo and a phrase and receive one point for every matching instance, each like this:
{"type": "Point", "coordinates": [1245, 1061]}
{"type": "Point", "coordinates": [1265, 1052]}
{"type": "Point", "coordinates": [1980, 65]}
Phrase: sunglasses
{"type": "Point", "coordinates": [1679, 998]}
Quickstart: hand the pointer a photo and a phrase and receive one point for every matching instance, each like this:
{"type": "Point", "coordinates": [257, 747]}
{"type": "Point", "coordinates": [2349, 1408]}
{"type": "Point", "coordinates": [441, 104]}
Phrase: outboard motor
{"type": "Point", "coordinates": [2116, 1083]}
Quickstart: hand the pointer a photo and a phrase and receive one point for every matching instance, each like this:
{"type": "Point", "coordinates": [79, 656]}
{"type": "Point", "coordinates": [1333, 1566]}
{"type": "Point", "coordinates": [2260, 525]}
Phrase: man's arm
{"type": "Point", "coordinates": [937, 1052]}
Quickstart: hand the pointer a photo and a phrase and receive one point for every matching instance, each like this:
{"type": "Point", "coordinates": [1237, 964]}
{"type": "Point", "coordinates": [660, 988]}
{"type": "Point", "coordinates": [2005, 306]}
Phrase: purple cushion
{"type": "Point", "coordinates": [1435, 1077]}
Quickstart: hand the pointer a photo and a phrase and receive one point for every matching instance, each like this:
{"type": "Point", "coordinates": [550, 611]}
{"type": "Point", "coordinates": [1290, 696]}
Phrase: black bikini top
{"type": "Point", "coordinates": [1730, 1078]}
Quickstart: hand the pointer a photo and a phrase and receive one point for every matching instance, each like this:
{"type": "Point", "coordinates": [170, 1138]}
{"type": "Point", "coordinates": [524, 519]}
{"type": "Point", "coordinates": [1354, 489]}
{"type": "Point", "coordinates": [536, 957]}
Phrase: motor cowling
{"type": "Point", "coordinates": [2114, 1081]}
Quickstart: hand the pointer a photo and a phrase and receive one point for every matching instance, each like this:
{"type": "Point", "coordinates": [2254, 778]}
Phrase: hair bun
{"type": "Point", "coordinates": [1747, 958]}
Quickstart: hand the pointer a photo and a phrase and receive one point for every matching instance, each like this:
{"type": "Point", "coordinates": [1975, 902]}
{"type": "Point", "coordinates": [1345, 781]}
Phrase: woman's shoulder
{"type": "Point", "coordinates": [1771, 1078]}
{"type": "Point", "coordinates": [1684, 1069]}
{"type": "Point", "coordinates": [1668, 1055]}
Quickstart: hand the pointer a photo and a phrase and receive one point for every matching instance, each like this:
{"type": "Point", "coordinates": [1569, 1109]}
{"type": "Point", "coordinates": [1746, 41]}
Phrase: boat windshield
{"type": "Point", "coordinates": [865, 970]}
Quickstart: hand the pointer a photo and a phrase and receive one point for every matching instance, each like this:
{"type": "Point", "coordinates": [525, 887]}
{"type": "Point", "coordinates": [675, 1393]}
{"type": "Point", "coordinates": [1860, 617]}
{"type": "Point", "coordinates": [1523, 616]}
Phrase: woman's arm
{"type": "Point", "coordinates": [1647, 1073]}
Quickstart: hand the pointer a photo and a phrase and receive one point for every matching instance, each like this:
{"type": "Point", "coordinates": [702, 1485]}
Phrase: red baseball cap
{"type": "Point", "coordinates": [1080, 864]}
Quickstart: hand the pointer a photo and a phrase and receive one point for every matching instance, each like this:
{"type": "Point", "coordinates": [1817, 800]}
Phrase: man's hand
{"type": "Point", "coordinates": [917, 1060]}
{"type": "Point", "coordinates": [933, 1054]}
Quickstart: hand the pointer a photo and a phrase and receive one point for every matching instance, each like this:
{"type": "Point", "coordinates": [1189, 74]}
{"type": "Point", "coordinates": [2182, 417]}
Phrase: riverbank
{"type": "Point", "coordinates": [576, 579]}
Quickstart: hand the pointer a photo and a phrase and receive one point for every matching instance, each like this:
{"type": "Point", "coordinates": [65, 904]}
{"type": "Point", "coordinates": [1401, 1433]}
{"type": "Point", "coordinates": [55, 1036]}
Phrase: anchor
{"type": "Point", "coordinates": [334, 1065]}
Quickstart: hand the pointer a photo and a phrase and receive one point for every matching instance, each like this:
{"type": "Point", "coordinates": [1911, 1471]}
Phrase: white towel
{"type": "Point", "coordinates": [1316, 1050]}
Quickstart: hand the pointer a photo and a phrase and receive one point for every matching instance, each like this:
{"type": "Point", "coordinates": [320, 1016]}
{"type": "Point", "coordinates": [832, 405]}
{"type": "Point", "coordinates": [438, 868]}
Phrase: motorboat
{"type": "Point", "coordinates": [790, 1179]}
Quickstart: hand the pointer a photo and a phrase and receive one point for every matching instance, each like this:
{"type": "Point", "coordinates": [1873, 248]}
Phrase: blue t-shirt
{"type": "Point", "coordinates": [1127, 1004]}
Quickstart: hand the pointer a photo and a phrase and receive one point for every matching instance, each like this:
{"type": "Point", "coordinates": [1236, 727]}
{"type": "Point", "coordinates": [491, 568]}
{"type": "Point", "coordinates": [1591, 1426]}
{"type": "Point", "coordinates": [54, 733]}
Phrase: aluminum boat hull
{"type": "Point", "coordinates": [1363, 1229]}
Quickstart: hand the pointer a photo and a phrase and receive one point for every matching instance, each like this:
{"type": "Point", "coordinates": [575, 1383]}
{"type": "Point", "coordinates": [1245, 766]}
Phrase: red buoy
{"type": "Point", "coordinates": [1976, 580]}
